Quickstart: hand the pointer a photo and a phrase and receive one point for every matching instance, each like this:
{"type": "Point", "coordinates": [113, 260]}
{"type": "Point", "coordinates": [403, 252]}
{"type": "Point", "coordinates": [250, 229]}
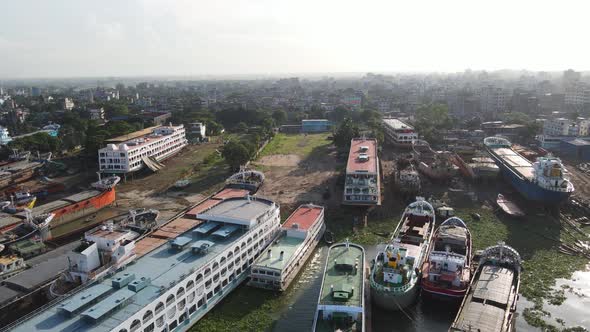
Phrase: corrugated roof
{"type": "Point", "coordinates": [304, 216]}
{"type": "Point", "coordinates": [356, 165]}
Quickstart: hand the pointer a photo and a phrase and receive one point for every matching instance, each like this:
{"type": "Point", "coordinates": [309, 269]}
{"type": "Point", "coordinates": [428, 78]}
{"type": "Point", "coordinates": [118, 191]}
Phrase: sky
{"type": "Point", "coordinates": [74, 38]}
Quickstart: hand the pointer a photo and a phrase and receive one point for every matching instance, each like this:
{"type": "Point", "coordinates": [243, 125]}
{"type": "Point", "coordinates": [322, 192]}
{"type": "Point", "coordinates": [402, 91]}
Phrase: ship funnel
{"type": "Point", "coordinates": [269, 253]}
{"type": "Point", "coordinates": [281, 256]}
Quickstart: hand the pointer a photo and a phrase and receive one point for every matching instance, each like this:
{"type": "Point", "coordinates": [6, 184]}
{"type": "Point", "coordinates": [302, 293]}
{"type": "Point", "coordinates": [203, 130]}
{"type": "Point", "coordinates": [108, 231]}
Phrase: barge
{"type": "Point", "coordinates": [298, 237]}
{"type": "Point", "coordinates": [544, 180]}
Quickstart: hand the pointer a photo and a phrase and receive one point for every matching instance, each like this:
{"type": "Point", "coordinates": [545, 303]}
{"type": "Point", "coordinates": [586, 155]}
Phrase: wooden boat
{"type": "Point", "coordinates": [509, 207]}
{"type": "Point", "coordinates": [490, 303]}
{"type": "Point", "coordinates": [447, 270]}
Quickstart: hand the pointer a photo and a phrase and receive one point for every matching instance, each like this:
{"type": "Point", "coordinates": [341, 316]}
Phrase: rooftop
{"type": "Point", "coordinates": [241, 211]}
{"type": "Point", "coordinates": [164, 266]}
{"type": "Point", "coordinates": [133, 135]}
{"type": "Point", "coordinates": [304, 216]}
{"type": "Point", "coordinates": [397, 124]}
{"type": "Point", "coordinates": [355, 165]}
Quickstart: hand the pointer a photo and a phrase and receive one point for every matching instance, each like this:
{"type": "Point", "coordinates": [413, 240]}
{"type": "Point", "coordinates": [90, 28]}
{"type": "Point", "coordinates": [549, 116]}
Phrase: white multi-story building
{"type": "Point", "coordinates": [577, 94]}
{"type": "Point", "coordinates": [96, 114]}
{"type": "Point", "coordinates": [4, 136]}
{"type": "Point", "coordinates": [399, 133]}
{"type": "Point", "coordinates": [197, 129]}
{"type": "Point", "coordinates": [131, 152]}
{"type": "Point", "coordinates": [493, 100]}
{"type": "Point", "coordinates": [68, 104]}
{"type": "Point", "coordinates": [557, 127]}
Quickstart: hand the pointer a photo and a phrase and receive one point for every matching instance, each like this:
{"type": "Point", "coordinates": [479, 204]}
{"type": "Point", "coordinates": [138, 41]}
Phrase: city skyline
{"type": "Point", "coordinates": [192, 38]}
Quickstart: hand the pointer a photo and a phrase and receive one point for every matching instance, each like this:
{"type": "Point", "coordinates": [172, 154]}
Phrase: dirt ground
{"type": "Point", "coordinates": [293, 180]}
{"type": "Point", "coordinates": [580, 180]}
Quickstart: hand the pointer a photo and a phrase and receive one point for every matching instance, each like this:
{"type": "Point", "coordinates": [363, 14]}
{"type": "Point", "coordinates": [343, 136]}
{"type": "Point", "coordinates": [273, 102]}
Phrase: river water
{"type": "Point", "coordinates": [430, 315]}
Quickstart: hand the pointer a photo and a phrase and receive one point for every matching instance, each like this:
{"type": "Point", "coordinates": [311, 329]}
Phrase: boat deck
{"type": "Point", "coordinates": [516, 162]}
{"type": "Point", "coordinates": [489, 298]}
{"type": "Point", "coordinates": [333, 277]}
{"type": "Point", "coordinates": [286, 244]}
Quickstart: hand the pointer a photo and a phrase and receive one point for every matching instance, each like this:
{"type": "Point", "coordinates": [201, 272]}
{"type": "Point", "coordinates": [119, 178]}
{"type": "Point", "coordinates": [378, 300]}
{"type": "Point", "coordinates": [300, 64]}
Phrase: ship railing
{"type": "Point", "coordinates": [382, 288]}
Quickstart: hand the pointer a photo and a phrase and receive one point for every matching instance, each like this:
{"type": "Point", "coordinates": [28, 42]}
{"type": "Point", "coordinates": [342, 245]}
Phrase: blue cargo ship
{"type": "Point", "coordinates": [542, 181]}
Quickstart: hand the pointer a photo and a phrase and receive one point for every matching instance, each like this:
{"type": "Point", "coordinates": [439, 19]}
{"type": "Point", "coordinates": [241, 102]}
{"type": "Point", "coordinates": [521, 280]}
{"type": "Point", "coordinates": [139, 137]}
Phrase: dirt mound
{"type": "Point", "coordinates": [283, 160]}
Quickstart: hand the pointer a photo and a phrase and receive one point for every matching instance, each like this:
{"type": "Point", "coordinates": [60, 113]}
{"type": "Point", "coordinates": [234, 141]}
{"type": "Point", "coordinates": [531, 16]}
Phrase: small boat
{"type": "Point", "coordinates": [33, 226]}
{"type": "Point", "coordinates": [286, 256]}
{"type": "Point", "coordinates": [395, 273]}
{"type": "Point", "coordinates": [447, 271]}
{"type": "Point", "coordinates": [341, 303]}
{"type": "Point", "coordinates": [490, 303]}
{"type": "Point", "coordinates": [407, 181]}
{"type": "Point", "coordinates": [509, 207]}
{"type": "Point", "coordinates": [329, 237]}
{"type": "Point", "coordinates": [182, 183]}
{"type": "Point", "coordinates": [246, 179]}
{"type": "Point", "coordinates": [106, 183]}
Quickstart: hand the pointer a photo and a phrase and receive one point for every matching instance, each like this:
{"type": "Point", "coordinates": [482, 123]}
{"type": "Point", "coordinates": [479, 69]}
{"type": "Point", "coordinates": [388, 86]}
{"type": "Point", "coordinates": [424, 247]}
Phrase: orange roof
{"type": "Point", "coordinates": [354, 164]}
{"type": "Point", "coordinates": [147, 244]}
{"type": "Point", "coordinates": [230, 193]}
{"type": "Point", "coordinates": [304, 216]}
{"type": "Point", "coordinates": [164, 234]}
{"type": "Point", "coordinates": [180, 225]}
{"type": "Point", "coordinates": [202, 207]}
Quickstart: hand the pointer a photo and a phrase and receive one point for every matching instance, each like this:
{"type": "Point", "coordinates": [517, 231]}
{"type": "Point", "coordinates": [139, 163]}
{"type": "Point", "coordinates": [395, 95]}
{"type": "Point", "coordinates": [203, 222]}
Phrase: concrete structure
{"type": "Point", "coordinates": [566, 127]}
{"type": "Point", "coordinates": [129, 153]}
{"type": "Point", "coordinates": [315, 125]}
{"type": "Point", "coordinates": [493, 101]}
{"type": "Point", "coordinates": [197, 129]}
{"type": "Point", "coordinates": [399, 133]}
{"type": "Point", "coordinates": [362, 184]}
{"type": "Point", "coordinates": [577, 150]}
{"type": "Point", "coordinates": [68, 104]}
{"type": "Point", "coordinates": [4, 136]}
{"type": "Point", "coordinates": [155, 118]}
{"type": "Point", "coordinates": [97, 114]}
{"type": "Point", "coordinates": [577, 94]}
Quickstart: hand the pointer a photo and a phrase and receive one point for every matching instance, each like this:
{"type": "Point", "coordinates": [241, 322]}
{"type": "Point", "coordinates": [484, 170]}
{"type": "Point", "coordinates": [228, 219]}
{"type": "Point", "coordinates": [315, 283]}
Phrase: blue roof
{"type": "Point", "coordinates": [206, 227]}
{"type": "Point", "coordinates": [202, 245]}
{"type": "Point", "coordinates": [181, 241]}
{"type": "Point", "coordinates": [165, 268]}
{"type": "Point", "coordinates": [226, 230]}
{"type": "Point", "coordinates": [83, 298]}
{"type": "Point", "coordinates": [109, 304]}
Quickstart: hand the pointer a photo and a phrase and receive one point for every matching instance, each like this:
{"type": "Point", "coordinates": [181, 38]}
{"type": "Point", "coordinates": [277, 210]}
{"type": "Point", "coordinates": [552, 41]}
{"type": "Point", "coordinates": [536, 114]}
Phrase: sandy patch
{"type": "Point", "coordinates": [284, 160]}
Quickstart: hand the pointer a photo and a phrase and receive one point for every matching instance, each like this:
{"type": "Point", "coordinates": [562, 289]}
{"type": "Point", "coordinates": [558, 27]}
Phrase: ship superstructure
{"type": "Point", "coordinates": [172, 286]}
{"type": "Point", "coordinates": [297, 239]}
{"type": "Point", "coordinates": [396, 271]}
{"type": "Point", "coordinates": [363, 181]}
{"type": "Point", "coordinates": [545, 180]}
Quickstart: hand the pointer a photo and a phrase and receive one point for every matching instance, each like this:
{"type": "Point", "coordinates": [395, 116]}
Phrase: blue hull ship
{"type": "Point", "coordinates": [543, 181]}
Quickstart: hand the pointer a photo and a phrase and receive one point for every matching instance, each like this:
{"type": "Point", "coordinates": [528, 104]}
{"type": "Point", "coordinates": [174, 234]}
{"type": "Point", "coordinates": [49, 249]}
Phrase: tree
{"type": "Point", "coordinates": [431, 120]}
{"type": "Point", "coordinates": [345, 133]}
{"type": "Point", "coordinates": [279, 116]}
{"type": "Point", "coordinates": [241, 127]}
{"type": "Point", "coordinates": [339, 114]}
{"type": "Point", "coordinates": [517, 118]}
{"type": "Point", "coordinates": [235, 154]}
{"type": "Point", "coordinates": [213, 128]}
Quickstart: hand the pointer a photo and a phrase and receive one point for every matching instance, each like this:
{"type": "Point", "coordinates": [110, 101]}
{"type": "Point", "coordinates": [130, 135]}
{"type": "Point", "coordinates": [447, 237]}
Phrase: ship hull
{"type": "Point", "coordinates": [394, 301]}
{"type": "Point", "coordinates": [435, 174]}
{"type": "Point", "coordinates": [83, 208]}
{"type": "Point", "coordinates": [442, 293]}
{"type": "Point", "coordinates": [526, 188]}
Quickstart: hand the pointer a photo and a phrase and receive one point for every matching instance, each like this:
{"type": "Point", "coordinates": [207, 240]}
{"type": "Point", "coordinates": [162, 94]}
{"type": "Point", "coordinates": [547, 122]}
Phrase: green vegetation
{"type": "Point", "coordinates": [299, 144]}
{"type": "Point", "coordinates": [345, 133]}
{"type": "Point", "coordinates": [41, 142]}
{"type": "Point", "coordinates": [431, 120]}
{"type": "Point", "coordinates": [236, 154]}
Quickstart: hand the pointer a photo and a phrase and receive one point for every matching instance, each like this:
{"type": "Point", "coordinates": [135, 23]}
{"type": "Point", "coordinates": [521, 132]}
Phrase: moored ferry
{"type": "Point", "coordinates": [396, 270]}
{"type": "Point", "coordinates": [341, 303]}
{"type": "Point", "coordinates": [447, 270]}
{"type": "Point", "coordinates": [297, 239]}
{"type": "Point", "coordinates": [490, 304]}
{"type": "Point", "coordinates": [174, 282]}
{"type": "Point", "coordinates": [544, 180]}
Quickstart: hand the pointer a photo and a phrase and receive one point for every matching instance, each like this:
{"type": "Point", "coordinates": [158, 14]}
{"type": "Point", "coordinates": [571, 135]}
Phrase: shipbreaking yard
{"type": "Point", "coordinates": [308, 168]}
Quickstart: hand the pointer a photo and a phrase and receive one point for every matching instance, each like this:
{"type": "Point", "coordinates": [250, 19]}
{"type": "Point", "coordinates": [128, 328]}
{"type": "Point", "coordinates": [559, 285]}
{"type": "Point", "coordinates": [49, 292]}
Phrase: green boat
{"type": "Point", "coordinates": [341, 302]}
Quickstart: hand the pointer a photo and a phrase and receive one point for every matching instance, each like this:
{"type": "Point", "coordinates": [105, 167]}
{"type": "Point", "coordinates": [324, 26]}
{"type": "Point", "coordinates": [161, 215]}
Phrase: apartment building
{"type": "Point", "coordinates": [399, 133]}
{"type": "Point", "coordinates": [130, 153]}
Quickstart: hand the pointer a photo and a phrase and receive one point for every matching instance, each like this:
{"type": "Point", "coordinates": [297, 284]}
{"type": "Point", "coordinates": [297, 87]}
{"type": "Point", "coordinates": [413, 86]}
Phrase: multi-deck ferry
{"type": "Point", "coordinates": [396, 270]}
{"type": "Point", "coordinates": [544, 180]}
{"type": "Point", "coordinates": [490, 304]}
{"type": "Point", "coordinates": [296, 241]}
{"type": "Point", "coordinates": [178, 277]}
{"type": "Point", "coordinates": [341, 303]}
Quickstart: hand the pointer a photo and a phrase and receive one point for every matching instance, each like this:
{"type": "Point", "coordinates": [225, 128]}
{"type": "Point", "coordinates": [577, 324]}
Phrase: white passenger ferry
{"type": "Point", "coordinates": [299, 236]}
{"type": "Point", "coordinates": [173, 285]}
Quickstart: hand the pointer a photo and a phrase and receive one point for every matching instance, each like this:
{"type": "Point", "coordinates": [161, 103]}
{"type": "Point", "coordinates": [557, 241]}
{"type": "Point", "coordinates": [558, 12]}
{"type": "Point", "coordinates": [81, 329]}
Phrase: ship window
{"type": "Point", "coordinates": [190, 284]}
{"type": "Point", "coordinates": [149, 328]}
{"type": "Point", "coordinates": [215, 266]}
{"type": "Point", "coordinates": [147, 316]}
{"type": "Point", "coordinates": [208, 283]}
{"type": "Point", "coordinates": [243, 245]}
{"type": "Point", "coordinates": [135, 325]}
{"type": "Point", "coordinates": [123, 330]}
{"type": "Point", "coordinates": [180, 292]}
{"type": "Point", "coordinates": [191, 297]}
{"type": "Point", "coordinates": [160, 321]}
{"type": "Point", "coordinates": [244, 256]}
{"type": "Point", "coordinates": [216, 277]}
{"type": "Point", "coordinates": [249, 240]}
{"type": "Point", "coordinates": [237, 250]}
{"type": "Point", "coordinates": [207, 272]}
{"type": "Point", "coordinates": [222, 261]}
{"type": "Point", "coordinates": [181, 305]}
{"type": "Point", "coordinates": [217, 289]}
{"type": "Point", "coordinates": [230, 255]}
{"type": "Point", "coordinates": [209, 295]}
{"type": "Point", "coordinates": [171, 312]}
{"type": "Point", "coordinates": [192, 309]}
{"type": "Point", "coordinates": [230, 265]}
{"type": "Point", "coordinates": [169, 300]}
{"type": "Point", "coordinates": [223, 271]}
{"type": "Point", "coordinates": [159, 307]}
{"type": "Point", "coordinates": [199, 278]}
{"type": "Point", "coordinates": [224, 283]}
{"type": "Point", "coordinates": [200, 303]}
{"type": "Point", "coordinates": [172, 325]}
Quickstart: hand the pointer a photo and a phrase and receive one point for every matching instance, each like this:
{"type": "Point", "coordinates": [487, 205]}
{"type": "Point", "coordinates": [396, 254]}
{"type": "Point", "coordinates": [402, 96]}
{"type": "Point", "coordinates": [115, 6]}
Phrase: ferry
{"type": "Point", "coordinates": [544, 181]}
{"type": "Point", "coordinates": [447, 271]}
{"type": "Point", "coordinates": [395, 273]}
{"type": "Point", "coordinates": [341, 302]}
{"type": "Point", "coordinates": [181, 273]}
{"type": "Point", "coordinates": [298, 237]}
{"type": "Point", "coordinates": [408, 181]}
{"type": "Point", "coordinates": [490, 304]}
{"type": "Point", "coordinates": [435, 164]}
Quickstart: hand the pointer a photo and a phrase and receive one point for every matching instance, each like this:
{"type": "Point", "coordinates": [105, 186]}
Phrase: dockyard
{"type": "Point", "coordinates": [301, 169]}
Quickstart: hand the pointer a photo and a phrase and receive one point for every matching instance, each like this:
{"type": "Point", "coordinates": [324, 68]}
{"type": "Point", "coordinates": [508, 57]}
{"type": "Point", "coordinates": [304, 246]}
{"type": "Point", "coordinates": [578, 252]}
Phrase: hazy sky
{"type": "Point", "coordinates": [61, 38]}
